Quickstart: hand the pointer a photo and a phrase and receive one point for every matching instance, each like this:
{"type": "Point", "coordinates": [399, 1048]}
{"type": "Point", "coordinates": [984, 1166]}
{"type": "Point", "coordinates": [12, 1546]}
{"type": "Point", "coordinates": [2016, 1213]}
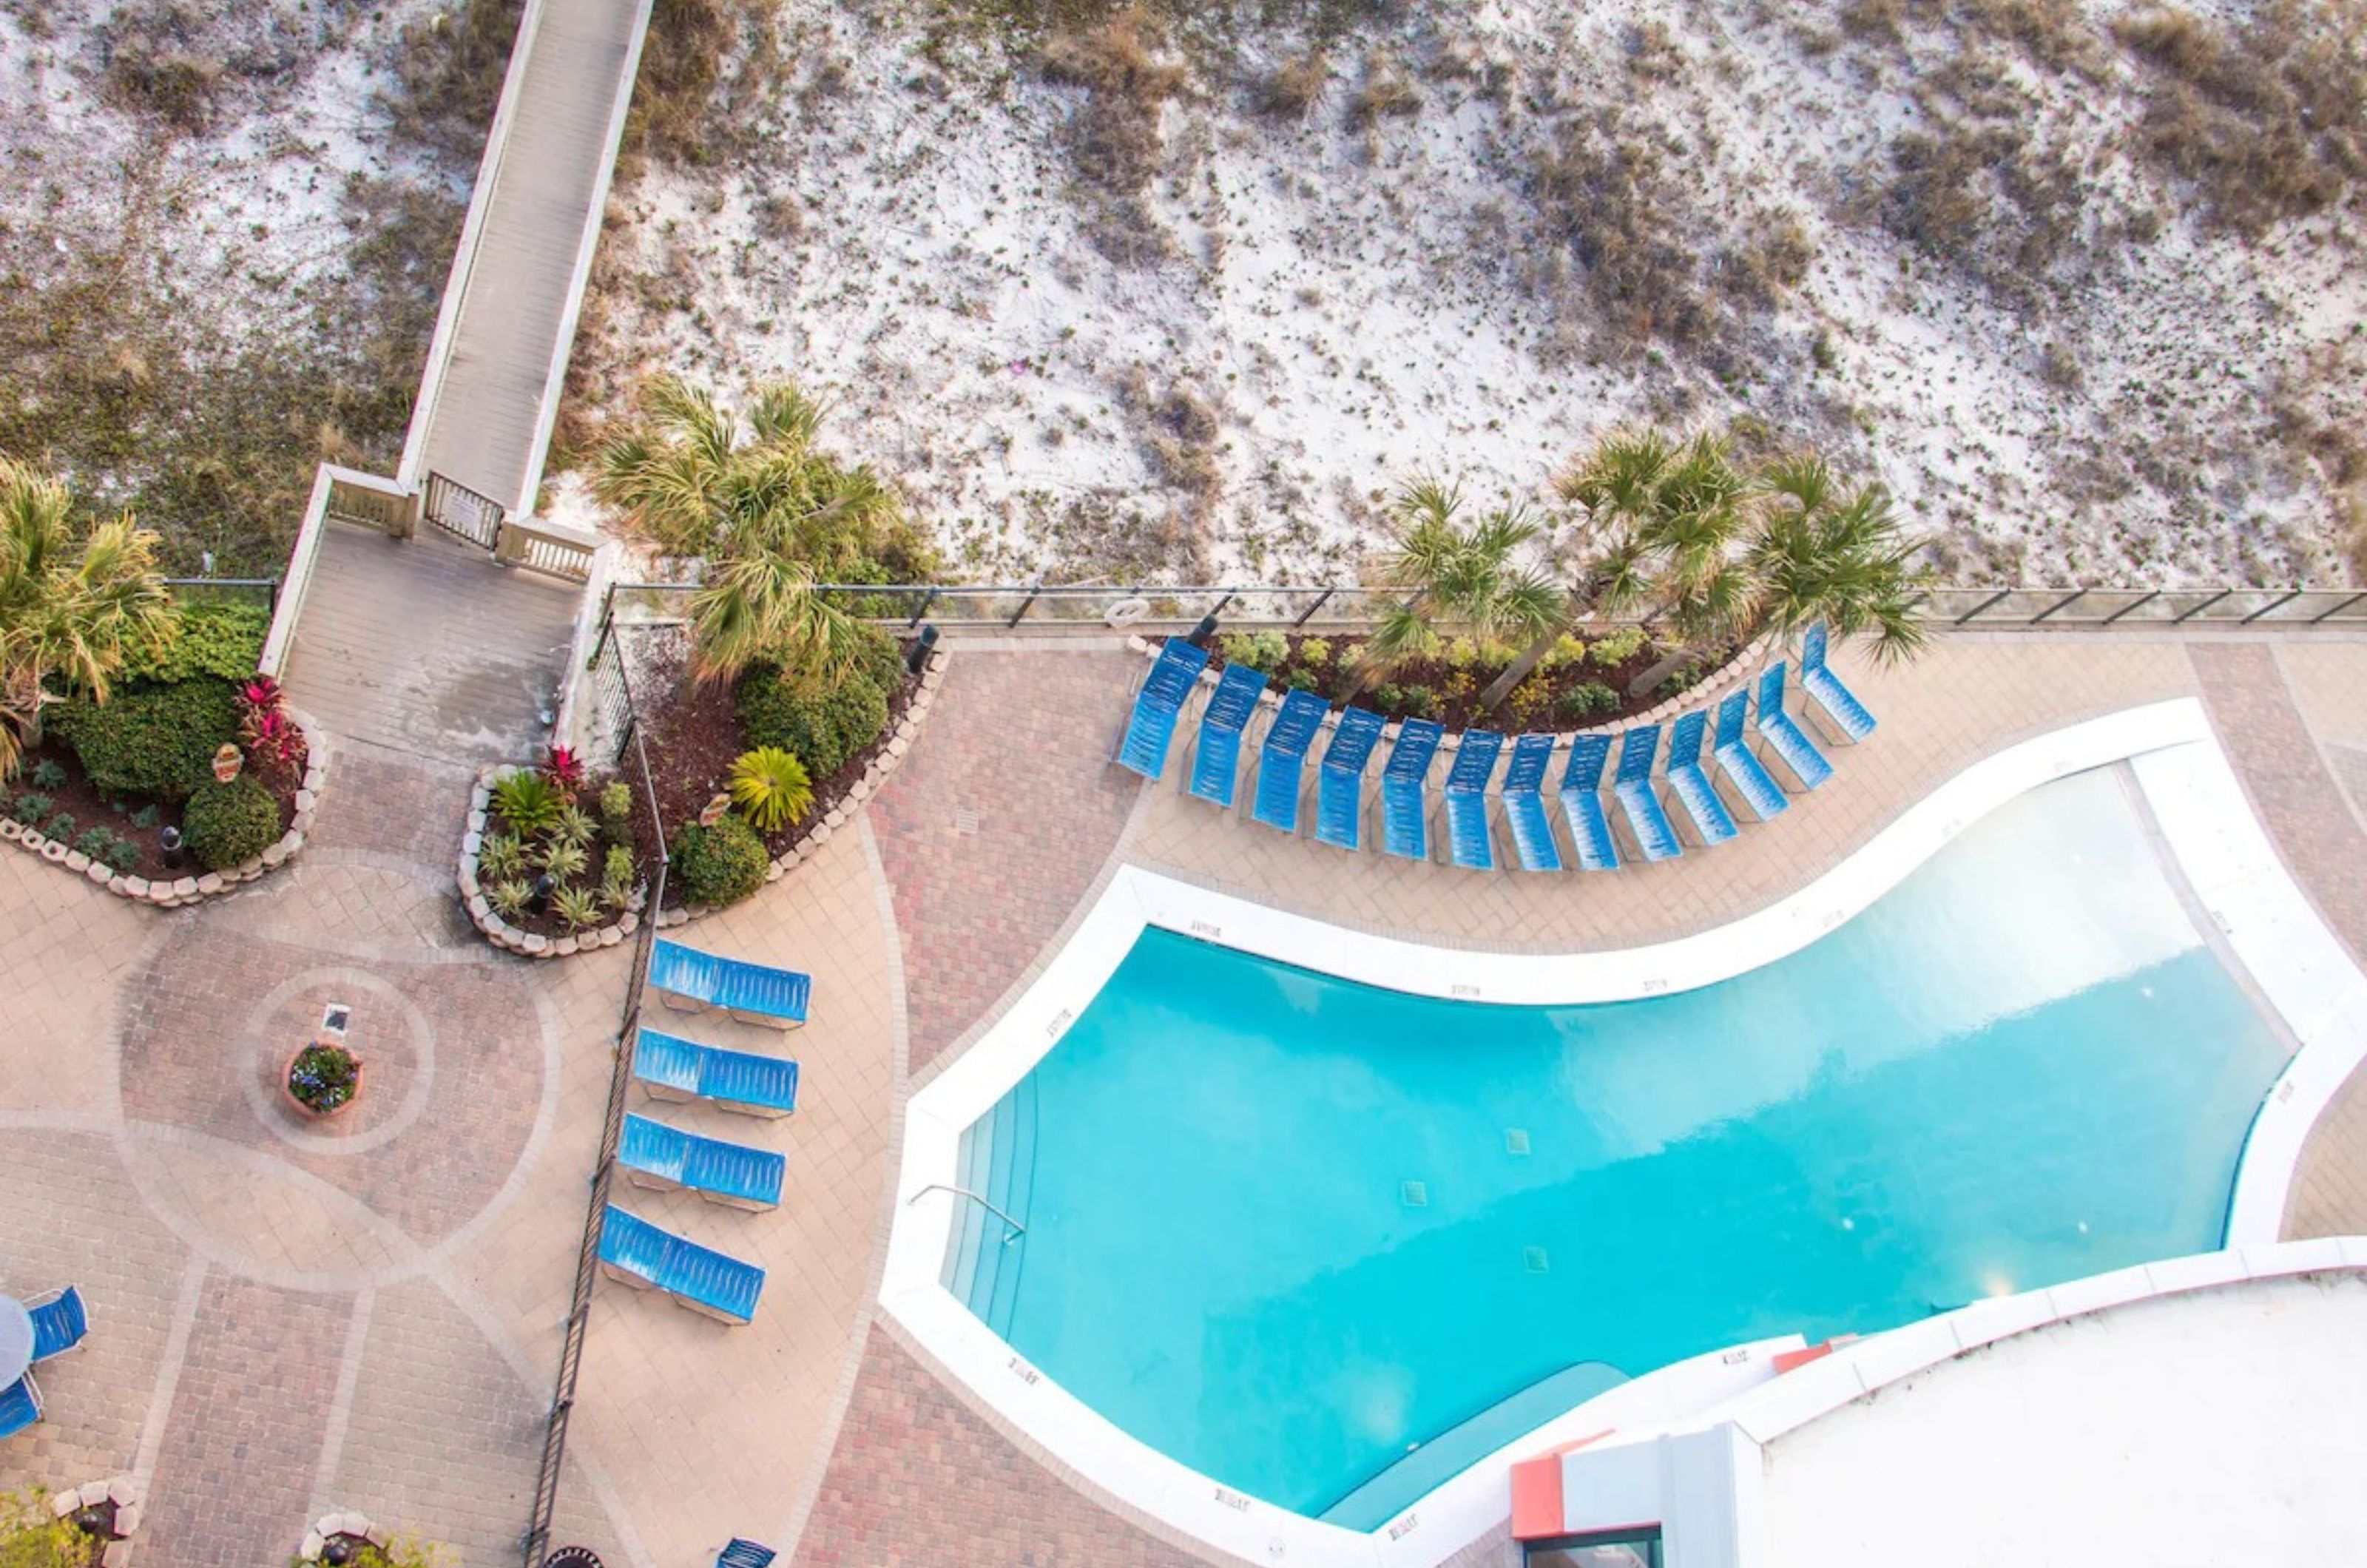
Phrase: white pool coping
{"type": "Point", "coordinates": [2210, 832]}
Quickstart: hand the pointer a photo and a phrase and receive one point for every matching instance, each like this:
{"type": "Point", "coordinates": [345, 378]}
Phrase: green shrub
{"type": "Point", "coordinates": [61, 828]}
{"type": "Point", "coordinates": [1610, 652]}
{"type": "Point", "coordinates": [1258, 650]}
{"type": "Point", "coordinates": [564, 860]}
{"type": "Point", "coordinates": [577, 907]}
{"type": "Point", "coordinates": [771, 787]}
{"type": "Point", "coordinates": [1389, 698]}
{"type": "Point", "coordinates": [227, 823]}
{"type": "Point", "coordinates": [616, 878]}
{"type": "Point", "coordinates": [617, 809]}
{"type": "Point", "coordinates": [121, 856]}
{"type": "Point", "coordinates": [500, 855]}
{"type": "Point", "coordinates": [49, 773]}
{"type": "Point", "coordinates": [1420, 702]}
{"type": "Point", "coordinates": [718, 865]}
{"type": "Point", "coordinates": [157, 740]}
{"type": "Point", "coordinates": [31, 807]}
{"type": "Point", "coordinates": [527, 802]}
{"type": "Point", "coordinates": [574, 826]}
{"type": "Point", "coordinates": [146, 818]}
{"type": "Point", "coordinates": [1314, 653]}
{"type": "Point", "coordinates": [1303, 679]}
{"type": "Point", "coordinates": [223, 642]}
{"type": "Point", "coordinates": [1565, 651]}
{"type": "Point", "coordinates": [822, 729]}
{"type": "Point", "coordinates": [509, 897]}
{"type": "Point", "coordinates": [1586, 699]}
{"type": "Point", "coordinates": [96, 843]}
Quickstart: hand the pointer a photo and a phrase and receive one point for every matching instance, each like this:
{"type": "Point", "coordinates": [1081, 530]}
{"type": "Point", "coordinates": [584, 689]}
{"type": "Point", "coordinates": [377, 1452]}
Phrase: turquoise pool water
{"type": "Point", "coordinates": [1288, 1229]}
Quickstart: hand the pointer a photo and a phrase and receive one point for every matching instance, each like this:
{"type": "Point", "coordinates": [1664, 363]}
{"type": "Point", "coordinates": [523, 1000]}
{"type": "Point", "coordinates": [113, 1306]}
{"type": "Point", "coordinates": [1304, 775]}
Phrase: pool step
{"type": "Point", "coordinates": [996, 1160]}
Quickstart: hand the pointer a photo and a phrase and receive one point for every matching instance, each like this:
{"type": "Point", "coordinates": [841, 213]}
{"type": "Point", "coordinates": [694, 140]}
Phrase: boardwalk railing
{"type": "Point", "coordinates": [347, 495]}
{"type": "Point", "coordinates": [546, 547]}
{"type": "Point", "coordinates": [1046, 607]}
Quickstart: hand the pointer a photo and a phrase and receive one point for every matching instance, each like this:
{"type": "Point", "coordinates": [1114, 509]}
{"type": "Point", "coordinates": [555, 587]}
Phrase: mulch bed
{"type": "Point", "coordinates": [693, 736]}
{"type": "Point", "coordinates": [1535, 705]}
{"type": "Point", "coordinates": [89, 808]}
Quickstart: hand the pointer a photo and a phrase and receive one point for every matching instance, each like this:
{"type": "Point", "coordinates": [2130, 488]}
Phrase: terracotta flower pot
{"type": "Point", "coordinates": [306, 1112]}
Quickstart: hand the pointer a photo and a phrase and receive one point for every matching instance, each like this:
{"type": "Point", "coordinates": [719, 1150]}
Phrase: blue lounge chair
{"type": "Point", "coordinates": [1743, 770]}
{"type": "Point", "coordinates": [1339, 782]}
{"type": "Point", "coordinates": [1582, 803]}
{"type": "Point", "coordinates": [1217, 759]}
{"type": "Point", "coordinates": [1467, 843]}
{"type": "Point", "coordinates": [1525, 803]}
{"type": "Point", "coordinates": [1405, 795]}
{"type": "Point", "coordinates": [1632, 784]}
{"type": "Point", "coordinates": [1711, 818]}
{"type": "Point", "coordinates": [667, 1158]}
{"type": "Point", "coordinates": [690, 981]}
{"type": "Point", "coordinates": [20, 1406]}
{"type": "Point", "coordinates": [1849, 716]}
{"type": "Point", "coordinates": [674, 1068]}
{"type": "Point", "coordinates": [1157, 704]}
{"type": "Point", "coordinates": [1283, 756]}
{"type": "Point", "coordinates": [647, 1257]}
{"type": "Point", "coordinates": [1784, 737]}
{"type": "Point", "coordinates": [745, 1554]}
{"type": "Point", "coordinates": [60, 1323]}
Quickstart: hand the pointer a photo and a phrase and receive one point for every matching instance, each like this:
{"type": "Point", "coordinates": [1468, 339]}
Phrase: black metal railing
{"type": "Point", "coordinates": [537, 1541]}
{"type": "Point", "coordinates": [1053, 607]}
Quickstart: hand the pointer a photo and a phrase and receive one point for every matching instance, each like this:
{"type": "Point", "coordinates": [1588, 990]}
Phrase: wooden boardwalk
{"type": "Point", "coordinates": [493, 378]}
{"type": "Point", "coordinates": [426, 645]}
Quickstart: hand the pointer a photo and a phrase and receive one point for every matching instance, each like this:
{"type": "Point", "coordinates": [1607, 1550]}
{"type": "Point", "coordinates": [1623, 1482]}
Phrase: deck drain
{"type": "Point", "coordinates": [1516, 1140]}
{"type": "Point", "coordinates": [1414, 1195]}
{"type": "Point", "coordinates": [966, 820]}
{"type": "Point", "coordinates": [1533, 1259]}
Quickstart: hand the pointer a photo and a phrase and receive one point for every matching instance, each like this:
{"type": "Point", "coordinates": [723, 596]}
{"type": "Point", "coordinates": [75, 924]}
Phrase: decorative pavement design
{"type": "Point", "coordinates": [290, 1319]}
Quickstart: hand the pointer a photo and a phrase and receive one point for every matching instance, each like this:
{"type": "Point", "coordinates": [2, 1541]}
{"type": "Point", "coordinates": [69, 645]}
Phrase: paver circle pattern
{"type": "Point", "coordinates": [457, 1055]}
{"type": "Point", "coordinates": [390, 1034]}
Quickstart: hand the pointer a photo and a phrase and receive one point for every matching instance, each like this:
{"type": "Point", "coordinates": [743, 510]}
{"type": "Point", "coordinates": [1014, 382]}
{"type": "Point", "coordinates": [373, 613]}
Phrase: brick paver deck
{"type": "Point", "coordinates": [283, 1325]}
{"type": "Point", "coordinates": [997, 822]}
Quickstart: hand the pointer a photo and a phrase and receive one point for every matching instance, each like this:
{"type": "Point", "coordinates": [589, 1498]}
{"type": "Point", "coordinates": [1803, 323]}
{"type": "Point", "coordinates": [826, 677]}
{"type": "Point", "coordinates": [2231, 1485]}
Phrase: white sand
{"type": "Point", "coordinates": [1339, 301]}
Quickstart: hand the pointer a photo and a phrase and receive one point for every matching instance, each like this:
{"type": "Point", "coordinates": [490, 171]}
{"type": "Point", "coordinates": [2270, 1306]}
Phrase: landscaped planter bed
{"type": "Point", "coordinates": [1582, 685]}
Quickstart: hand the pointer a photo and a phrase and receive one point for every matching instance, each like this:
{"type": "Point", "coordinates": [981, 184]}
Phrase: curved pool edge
{"type": "Point", "coordinates": [2224, 855]}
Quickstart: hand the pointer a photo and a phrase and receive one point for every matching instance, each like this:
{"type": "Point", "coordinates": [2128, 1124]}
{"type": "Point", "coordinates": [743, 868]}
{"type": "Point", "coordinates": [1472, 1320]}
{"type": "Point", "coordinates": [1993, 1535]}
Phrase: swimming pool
{"type": "Point", "coordinates": [1285, 1228]}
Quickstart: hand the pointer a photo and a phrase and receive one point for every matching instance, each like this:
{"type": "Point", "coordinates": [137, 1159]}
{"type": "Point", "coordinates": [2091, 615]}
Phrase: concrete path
{"type": "Point", "coordinates": [485, 412]}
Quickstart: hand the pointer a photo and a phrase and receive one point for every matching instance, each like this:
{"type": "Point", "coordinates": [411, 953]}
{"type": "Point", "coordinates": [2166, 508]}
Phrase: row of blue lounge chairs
{"type": "Point", "coordinates": [660, 1158]}
{"type": "Point", "coordinates": [1277, 800]}
{"type": "Point", "coordinates": [60, 1324]}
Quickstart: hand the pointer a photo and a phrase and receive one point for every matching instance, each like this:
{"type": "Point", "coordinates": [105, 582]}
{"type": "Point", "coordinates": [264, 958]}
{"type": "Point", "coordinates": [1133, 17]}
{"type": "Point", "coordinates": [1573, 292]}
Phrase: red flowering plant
{"type": "Point", "coordinates": [565, 770]}
{"type": "Point", "coordinates": [274, 742]}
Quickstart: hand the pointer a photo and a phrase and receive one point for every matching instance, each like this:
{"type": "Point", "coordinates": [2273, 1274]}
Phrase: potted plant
{"type": "Point", "coordinates": [321, 1080]}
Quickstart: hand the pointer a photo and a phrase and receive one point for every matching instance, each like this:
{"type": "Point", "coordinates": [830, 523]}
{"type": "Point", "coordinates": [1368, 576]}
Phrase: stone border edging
{"type": "Point", "coordinates": [328, 1526]}
{"type": "Point", "coordinates": [207, 885]}
{"type": "Point", "coordinates": [122, 1491]}
{"type": "Point", "coordinates": [532, 944]}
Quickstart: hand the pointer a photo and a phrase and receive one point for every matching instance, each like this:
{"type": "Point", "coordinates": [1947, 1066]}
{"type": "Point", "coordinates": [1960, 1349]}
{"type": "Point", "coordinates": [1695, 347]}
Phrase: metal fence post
{"type": "Point", "coordinates": [1024, 604]}
{"type": "Point", "coordinates": [1320, 600]}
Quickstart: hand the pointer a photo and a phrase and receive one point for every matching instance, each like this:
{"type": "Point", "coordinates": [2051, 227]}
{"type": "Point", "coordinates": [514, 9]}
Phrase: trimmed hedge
{"type": "Point", "coordinates": [157, 740]}
{"type": "Point", "coordinates": [820, 729]}
{"type": "Point", "coordinates": [220, 642]}
{"type": "Point", "coordinates": [227, 823]}
{"type": "Point", "coordinates": [721, 864]}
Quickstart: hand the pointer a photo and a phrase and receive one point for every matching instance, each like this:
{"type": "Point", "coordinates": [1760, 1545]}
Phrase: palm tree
{"type": "Point", "coordinates": [69, 610]}
{"type": "Point", "coordinates": [1659, 522]}
{"type": "Point", "coordinates": [772, 514]}
{"type": "Point", "coordinates": [1843, 559]}
{"type": "Point", "coordinates": [1459, 577]}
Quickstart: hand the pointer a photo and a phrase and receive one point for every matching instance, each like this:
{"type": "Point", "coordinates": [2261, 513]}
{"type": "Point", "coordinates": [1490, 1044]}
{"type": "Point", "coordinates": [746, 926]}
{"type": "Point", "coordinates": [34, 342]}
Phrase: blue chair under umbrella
{"type": "Point", "coordinates": [60, 1324]}
{"type": "Point", "coordinates": [20, 1406]}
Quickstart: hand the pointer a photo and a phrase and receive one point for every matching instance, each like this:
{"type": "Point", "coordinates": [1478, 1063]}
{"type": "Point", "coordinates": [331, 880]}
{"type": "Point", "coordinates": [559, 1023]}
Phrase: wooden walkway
{"type": "Point", "coordinates": [426, 645]}
{"type": "Point", "coordinates": [494, 378]}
